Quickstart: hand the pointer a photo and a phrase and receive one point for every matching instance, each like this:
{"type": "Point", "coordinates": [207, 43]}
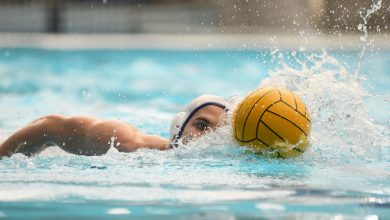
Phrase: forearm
{"type": "Point", "coordinates": [28, 140]}
{"type": "Point", "coordinates": [65, 132]}
{"type": "Point", "coordinates": [155, 142]}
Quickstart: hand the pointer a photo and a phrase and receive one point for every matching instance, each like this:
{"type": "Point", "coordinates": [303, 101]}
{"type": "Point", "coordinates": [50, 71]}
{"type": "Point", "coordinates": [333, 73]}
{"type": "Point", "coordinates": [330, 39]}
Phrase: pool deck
{"type": "Point", "coordinates": [190, 41]}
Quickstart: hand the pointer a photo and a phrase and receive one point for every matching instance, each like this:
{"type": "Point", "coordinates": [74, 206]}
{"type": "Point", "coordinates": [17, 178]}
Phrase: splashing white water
{"type": "Point", "coordinates": [341, 124]}
{"type": "Point", "coordinates": [363, 28]}
{"type": "Point", "coordinates": [342, 128]}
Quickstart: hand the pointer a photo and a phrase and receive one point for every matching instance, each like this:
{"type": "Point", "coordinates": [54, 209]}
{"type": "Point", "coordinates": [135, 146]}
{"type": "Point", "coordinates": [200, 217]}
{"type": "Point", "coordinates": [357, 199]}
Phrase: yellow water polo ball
{"type": "Point", "coordinates": [272, 121]}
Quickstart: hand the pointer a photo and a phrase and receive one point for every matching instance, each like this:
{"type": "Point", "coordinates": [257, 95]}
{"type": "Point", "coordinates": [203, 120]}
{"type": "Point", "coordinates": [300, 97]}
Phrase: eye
{"type": "Point", "coordinates": [202, 125]}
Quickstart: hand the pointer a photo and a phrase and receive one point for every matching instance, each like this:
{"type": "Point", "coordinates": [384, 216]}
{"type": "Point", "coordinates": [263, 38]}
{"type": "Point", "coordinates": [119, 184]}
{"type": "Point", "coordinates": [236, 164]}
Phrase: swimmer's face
{"type": "Point", "coordinates": [206, 119]}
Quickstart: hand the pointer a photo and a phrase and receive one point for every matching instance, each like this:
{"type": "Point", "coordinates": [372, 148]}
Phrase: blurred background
{"type": "Point", "coordinates": [191, 16]}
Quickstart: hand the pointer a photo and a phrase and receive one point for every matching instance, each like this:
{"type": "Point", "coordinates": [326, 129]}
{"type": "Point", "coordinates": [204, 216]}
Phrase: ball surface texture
{"type": "Point", "coordinates": [273, 121]}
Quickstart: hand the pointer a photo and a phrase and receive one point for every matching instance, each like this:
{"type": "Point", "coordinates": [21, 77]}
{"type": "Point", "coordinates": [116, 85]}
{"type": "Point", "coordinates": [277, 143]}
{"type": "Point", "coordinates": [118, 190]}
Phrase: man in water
{"type": "Point", "coordinates": [90, 136]}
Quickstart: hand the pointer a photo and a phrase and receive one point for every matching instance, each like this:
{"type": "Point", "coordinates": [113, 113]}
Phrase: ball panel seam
{"type": "Point", "coordinates": [297, 111]}
{"type": "Point", "coordinates": [272, 130]}
{"type": "Point", "coordinates": [261, 116]}
{"type": "Point", "coordinates": [288, 121]}
{"type": "Point", "coordinates": [253, 106]}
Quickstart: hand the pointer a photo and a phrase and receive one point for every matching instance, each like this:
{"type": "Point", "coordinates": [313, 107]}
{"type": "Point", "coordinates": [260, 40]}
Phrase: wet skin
{"type": "Point", "coordinates": [90, 136]}
{"type": "Point", "coordinates": [206, 119]}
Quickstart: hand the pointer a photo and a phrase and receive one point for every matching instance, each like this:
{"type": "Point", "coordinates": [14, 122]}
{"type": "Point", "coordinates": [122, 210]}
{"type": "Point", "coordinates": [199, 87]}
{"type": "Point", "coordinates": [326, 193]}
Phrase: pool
{"type": "Point", "coordinates": [344, 175]}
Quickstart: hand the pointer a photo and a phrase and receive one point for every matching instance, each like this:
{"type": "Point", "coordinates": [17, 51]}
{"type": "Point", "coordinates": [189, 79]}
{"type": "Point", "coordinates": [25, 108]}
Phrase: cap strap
{"type": "Point", "coordinates": [176, 137]}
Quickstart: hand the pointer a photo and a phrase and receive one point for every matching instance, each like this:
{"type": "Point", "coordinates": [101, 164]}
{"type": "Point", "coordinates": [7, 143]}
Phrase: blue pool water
{"type": "Point", "coordinates": [344, 175]}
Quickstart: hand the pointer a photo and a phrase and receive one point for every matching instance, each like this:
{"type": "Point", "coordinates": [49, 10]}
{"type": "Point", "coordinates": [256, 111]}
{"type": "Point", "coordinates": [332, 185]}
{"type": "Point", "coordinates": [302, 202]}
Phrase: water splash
{"type": "Point", "coordinates": [341, 123]}
{"type": "Point", "coordinates": [363, 28]}
{"type": "Point", "coordinates": [212, 168]}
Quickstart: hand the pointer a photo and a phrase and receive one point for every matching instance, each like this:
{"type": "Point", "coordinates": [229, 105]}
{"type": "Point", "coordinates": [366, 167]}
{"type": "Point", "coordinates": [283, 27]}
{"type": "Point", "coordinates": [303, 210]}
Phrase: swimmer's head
{"type": "Point", "coordinates": [203, 114]}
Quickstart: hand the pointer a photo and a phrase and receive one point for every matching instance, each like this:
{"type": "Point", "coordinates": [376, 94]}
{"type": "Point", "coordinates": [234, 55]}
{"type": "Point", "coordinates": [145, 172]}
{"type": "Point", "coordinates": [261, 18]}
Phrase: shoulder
{"type": "Point", "coordinates": [63, 123]}
{"type": "Point", "coordinates": [54, 118]}
{"type": "Point", "coordinates": [115, 128]}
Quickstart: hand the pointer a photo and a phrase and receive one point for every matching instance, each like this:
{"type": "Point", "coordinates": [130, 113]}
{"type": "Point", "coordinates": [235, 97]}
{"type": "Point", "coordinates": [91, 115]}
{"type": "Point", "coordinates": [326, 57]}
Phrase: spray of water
{"type": "Point", "coordinates": [341, 124]}
{"type": "Point", "coordinates": [363, 28]}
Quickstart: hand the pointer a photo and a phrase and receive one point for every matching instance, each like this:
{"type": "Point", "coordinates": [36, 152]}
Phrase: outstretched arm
{"type": "Point", "coordinates": [78, 135]}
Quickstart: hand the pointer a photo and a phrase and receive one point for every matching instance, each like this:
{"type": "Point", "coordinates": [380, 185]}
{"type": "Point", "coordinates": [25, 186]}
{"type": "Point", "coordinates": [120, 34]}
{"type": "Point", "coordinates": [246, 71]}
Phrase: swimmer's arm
{"type": "Point", "coordinates": [123, 137]}
{"type": "Point", "coordinates": [28, 140]}
{"type": "Point", "coordinates": [66, 132]}
{"type": "Point", "coordinates": [78, 135]}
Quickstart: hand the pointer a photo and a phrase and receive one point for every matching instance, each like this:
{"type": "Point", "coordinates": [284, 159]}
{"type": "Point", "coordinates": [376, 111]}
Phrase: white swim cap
{"type": "Point", "coordinates": [181, 119]}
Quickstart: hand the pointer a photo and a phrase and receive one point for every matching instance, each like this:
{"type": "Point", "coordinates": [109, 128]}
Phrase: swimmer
{"type": "Point", "coordinates": [90, 136]}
